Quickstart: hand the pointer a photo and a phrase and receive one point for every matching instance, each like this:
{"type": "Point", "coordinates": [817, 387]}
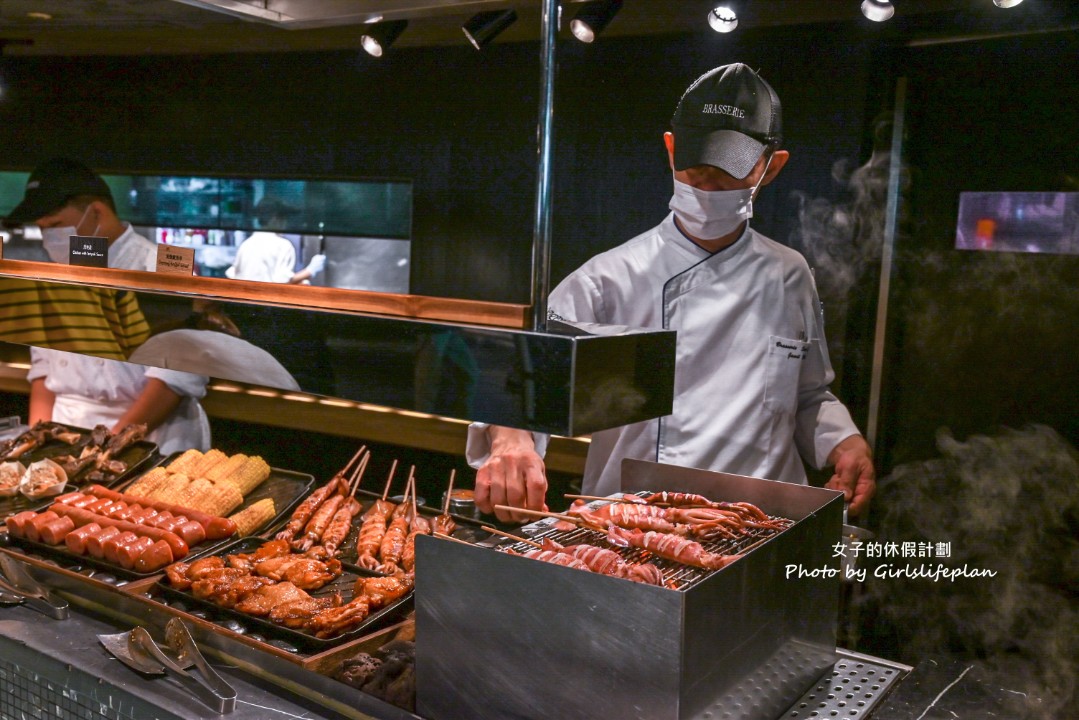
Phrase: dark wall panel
{"type": "Point", "coordinates": [460, 124]}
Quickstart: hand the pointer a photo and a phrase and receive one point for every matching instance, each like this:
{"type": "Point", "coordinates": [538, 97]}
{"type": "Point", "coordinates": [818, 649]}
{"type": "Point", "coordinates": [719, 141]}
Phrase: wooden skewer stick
{"type": "Point", "coordinates": [357, 475]}
{"type": "Point", "coordinates": [597, 497]}
{"type": "Point", "coordinates": [449, 492]}
{"type": "Point", "coordinates": [541, 514]}
{"type": "Point", "coordinates": [389, 480]}
{"type": "Point", "coordinates": [495, 531]}
{"type": "Point", "coordinates": [415, 512]}
{"type": "Point", "coordinates": [344, 471]}
{"type": "Point", "coordinates": [447, 537]}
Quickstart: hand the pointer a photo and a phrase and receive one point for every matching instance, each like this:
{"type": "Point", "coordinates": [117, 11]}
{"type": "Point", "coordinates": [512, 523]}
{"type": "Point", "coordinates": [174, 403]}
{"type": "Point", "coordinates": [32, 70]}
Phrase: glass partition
{"type": "Point", "coordinates": [363, 227]}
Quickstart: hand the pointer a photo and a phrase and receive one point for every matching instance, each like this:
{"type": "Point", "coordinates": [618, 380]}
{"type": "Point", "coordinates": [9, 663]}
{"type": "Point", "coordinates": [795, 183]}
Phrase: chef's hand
{"type": "Point", "coordinates": [854, 473]}
{"type": "Point", "coordinates": [512, 475]}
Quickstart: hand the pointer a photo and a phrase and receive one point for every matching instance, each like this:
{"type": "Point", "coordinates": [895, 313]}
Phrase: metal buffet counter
{"type": "Point", "coordinates": [736, 642]}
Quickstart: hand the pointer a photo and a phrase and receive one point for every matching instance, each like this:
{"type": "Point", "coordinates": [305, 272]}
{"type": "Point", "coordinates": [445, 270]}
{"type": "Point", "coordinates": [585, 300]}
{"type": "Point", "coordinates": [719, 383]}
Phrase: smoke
{"type": "Point", "coordinates": [1007, 504]}
{"type": "Point", "coordinates": [842, 241]}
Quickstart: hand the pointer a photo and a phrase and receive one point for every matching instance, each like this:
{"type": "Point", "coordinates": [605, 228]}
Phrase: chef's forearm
{"type": "Point", "coordinates": [153, 406]}
{"type": "Point", "coordinates": [41, 401]}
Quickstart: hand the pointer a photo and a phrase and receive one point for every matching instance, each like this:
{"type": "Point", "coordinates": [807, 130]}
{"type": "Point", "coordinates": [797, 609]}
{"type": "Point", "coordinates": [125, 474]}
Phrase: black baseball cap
{"type": "Point", "coordinates": [726, 118]}
{"type": "Point", "coordinates": [51, 185]}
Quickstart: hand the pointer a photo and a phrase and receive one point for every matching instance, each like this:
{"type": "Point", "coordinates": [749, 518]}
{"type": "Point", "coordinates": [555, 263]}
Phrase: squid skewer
{"type": "Point", "coordinates": [320, 521]}
{"type": "Point", "coordinates": [373, 527]}
{"type": "Point", "coordinates": [599, 560]}
{"type": "Point", "coordinates": [393, 542]}
{"type": "Point", "coordinates": [419, 525]}
{"type": "Point", "coordinates": [307, 508]}
{"type": "Point", "coordinates": [342, 520]}
{"type": "Point", "coordinates": [445, 523]}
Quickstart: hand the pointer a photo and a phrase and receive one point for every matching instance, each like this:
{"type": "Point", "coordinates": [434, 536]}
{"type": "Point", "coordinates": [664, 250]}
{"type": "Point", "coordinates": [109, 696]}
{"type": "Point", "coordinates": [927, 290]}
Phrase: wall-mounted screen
{"type": "Point", "coordinates": [1028, 222]}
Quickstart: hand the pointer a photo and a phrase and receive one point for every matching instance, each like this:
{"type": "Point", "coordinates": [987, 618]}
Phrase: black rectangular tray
{"type": "Point", "coordinates": [270, 631]}
{"type": "Point", "coordinates": [286, 487]}
{"type": "Point", "coordinates": [139, 456]}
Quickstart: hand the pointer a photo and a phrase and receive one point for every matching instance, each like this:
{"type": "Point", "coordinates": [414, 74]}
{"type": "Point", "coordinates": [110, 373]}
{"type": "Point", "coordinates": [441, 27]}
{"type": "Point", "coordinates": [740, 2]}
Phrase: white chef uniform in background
{"type": "Point", "coordinates": [91, 391]}
{"type": "Point", "coordinates": [132, 251]}
{"type": "Point", "coordinates": [752, 309]}
{"type": "Point", "coordinates": [265, 257]}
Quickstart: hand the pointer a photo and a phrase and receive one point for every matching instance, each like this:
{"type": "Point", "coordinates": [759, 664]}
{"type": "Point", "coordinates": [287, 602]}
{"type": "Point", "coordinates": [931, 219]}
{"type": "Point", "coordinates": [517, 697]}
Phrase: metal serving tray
{"type": "Point", "coordinates": [185, 601]}
{"type": "Point", "coordinates": [284, 486]}
{"type": "Point", "coordinates": [509, 629]}
{"type": "Point", "coordinates": [138, 456]}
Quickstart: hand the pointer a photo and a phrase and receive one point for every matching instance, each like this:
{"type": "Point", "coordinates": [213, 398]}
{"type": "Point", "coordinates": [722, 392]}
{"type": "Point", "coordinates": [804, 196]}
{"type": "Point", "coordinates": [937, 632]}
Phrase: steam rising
{"type": "Point", "coordinates": [1006, 503]}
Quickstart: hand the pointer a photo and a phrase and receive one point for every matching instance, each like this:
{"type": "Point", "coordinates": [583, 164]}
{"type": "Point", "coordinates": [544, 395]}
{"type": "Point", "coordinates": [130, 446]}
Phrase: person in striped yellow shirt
{"type": "Point", "coordinates": [93, 321]}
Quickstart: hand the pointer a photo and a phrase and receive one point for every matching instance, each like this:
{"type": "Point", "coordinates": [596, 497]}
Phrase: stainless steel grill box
{"type": "Point", "coordinates": [502, 637]}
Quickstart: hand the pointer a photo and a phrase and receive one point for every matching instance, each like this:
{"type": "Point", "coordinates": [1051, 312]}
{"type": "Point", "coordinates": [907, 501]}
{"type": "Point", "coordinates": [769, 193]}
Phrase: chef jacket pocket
{"type": "Point", "coordinates": [784, 366]}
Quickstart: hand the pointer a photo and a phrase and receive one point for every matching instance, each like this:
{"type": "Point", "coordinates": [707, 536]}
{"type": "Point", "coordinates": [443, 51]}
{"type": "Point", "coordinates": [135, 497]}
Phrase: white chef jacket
{"type": "Point", "coordinates": [265, 257]}
{"type": "Point", "coordinates": [91, 391]}
{"type": "Point", "coordinates": [215, 354]}
{"type": "Point", "coordinates": [132, 251]}
{"type": "Point", "coordinates": [752, 368]}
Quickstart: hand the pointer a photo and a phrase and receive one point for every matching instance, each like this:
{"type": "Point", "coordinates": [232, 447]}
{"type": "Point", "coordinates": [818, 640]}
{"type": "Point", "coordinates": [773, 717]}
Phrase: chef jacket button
{"type": "Point", "coordinates": [63, 363]}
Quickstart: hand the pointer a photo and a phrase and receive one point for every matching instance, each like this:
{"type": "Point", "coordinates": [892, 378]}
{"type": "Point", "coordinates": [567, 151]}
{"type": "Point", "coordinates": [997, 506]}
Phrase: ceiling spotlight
{"type": "Point", "coordinates": [378, 37]}
{"type": "Point", "coordinates": [483, 27]}
{"type": "Point", "coordinates": [723, 17]}
{"type": "Point", "coordinates": [877, 10]}
{"type": "Point", "coordinates": [1006, 3]}
{"type": "Point", "coordinates": [592, 18]}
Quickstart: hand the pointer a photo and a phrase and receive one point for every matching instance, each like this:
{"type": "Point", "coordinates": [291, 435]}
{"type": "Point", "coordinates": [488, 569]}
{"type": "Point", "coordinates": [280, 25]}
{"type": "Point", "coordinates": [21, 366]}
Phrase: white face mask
{"type": "Point", "coordinates": [711, 214]}
{"type": "Point", "coordinates": [56, 241]}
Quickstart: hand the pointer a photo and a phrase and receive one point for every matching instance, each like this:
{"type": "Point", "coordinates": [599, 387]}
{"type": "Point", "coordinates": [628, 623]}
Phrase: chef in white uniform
{"type": "Point", "coordinates": [751, 392]}
{"type": "Point", "coordinates": [64, 198]}
{"type": "Point", "coordinates": [266, 256]}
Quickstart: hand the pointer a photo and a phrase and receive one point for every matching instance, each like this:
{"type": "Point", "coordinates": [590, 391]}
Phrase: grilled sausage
{"type": "Point", "coordinates": [95, 543]}
{"type": "Point", "coordinates": [127, 554]}
{"type": "Point", "coordinates": [54, 532]}
{"type": "Point", "coordinates": [77, 538]}
{"type": "Point", "coordinates": [32, 529]}
{"type": "Point", "coordinates": [155, 557]}
{"type": "Point", "coordinates": [16, 524]}
{"type": "Point", "coordinates": [111, 547]}
{"type": "Point", "coordinates": [216, 527]}
{"type": "Point", "coordinates": [82, 517]}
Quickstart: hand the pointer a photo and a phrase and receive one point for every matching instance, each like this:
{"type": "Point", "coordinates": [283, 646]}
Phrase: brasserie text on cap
{"type": "Point", "coordinates": [726, 118]}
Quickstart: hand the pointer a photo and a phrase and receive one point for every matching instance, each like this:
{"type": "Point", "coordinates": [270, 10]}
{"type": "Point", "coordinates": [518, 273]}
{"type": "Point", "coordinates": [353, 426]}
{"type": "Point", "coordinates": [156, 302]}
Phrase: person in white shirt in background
{"type": "Point", "coordinates": [64, 197]}
{"type": "Point", "coordinates": [266, 256]}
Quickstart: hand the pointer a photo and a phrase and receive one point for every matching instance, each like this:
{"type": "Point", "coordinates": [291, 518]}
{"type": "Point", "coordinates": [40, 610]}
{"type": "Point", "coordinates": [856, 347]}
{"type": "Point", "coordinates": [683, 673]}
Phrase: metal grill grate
{"type": "Point", "coordinates": [675, 574]}
{"type": "Point", "coordinates": [27, 694]}
{"type": "Point", "coordinates": [854, 687]}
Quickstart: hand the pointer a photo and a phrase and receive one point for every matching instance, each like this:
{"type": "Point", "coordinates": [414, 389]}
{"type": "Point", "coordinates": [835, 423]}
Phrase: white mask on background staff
{"type": "Point", "coordinates": [56, 241]}
{"type": "Point", "coordinates": [711, 214]}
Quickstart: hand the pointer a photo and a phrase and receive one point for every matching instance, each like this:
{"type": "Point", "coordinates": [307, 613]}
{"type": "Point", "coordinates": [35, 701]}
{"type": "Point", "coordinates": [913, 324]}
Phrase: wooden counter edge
{"type": "Point", "coordinates": [305, 297]}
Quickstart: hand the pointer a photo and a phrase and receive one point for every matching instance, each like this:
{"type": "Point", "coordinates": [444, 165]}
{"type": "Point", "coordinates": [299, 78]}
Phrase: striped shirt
{"type": "Point", "coordinates": [94, 321]}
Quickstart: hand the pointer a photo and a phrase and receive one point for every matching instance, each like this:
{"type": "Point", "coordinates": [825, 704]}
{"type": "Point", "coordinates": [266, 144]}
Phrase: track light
{"type": "Point", "coordinates": [877, 10]}
{"type": "Point", "coordinates": [1006, 3]}
{"type": "Point", "coordinates": [592, 18]}
{"type": "Point", "coordinates": [378, 37]}
{"type": "Point", "coordinates": [723, 17]}
{"type": "Point", "coordinates": [483, 27]}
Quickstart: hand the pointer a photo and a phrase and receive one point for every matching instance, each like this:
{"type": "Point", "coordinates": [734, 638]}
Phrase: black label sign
{"type": "Point", "coordinates": [89, 251]}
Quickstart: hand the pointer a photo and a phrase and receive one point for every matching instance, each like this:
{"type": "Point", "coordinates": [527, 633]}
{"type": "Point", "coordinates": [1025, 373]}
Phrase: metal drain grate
{"type": "Point", "coordinates": [855, 686]}
{"type": "Point", "coordinates": [28, 694]}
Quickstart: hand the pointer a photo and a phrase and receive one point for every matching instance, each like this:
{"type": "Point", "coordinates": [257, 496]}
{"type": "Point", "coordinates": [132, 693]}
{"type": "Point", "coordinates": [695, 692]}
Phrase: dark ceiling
{"type": "Point", "coordinates": [141, 27]}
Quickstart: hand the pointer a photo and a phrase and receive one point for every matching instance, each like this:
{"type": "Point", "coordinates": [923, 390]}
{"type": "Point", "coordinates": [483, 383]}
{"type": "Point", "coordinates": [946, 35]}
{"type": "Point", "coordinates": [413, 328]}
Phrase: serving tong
{"type": "Point", "coordinates": [17, 585]}
{"type": "Point", "coordinates": [138, 650]}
